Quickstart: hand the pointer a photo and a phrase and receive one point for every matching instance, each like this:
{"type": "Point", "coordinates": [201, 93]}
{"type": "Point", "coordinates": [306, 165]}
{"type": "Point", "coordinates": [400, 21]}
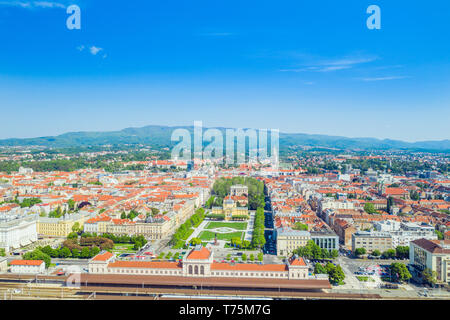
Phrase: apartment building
{"type": "Point", "coordinates": [344, 230]}
{"type": "Point", "coordinates": [431, 254]}
{"type": "Point", "coordinates": [404, 232]}
{"type": "Point", "coordinates": [371, 241]}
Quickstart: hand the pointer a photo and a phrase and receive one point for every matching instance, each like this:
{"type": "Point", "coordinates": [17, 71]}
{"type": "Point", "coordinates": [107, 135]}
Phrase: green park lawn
{"type": "Point", "coordinates": [233, 225]}
{"type": "Point", "coordinates": [364, 279]}
{"type": "Point", "coordinates": [124, 248]}
{"type": "Point", "coordinates": [208, 235]}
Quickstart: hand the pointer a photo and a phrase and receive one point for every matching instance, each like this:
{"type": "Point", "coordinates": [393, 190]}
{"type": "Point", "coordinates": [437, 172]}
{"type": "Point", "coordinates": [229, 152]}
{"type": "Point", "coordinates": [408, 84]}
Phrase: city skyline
{"type": "Point", "coordinates": [295, 67]}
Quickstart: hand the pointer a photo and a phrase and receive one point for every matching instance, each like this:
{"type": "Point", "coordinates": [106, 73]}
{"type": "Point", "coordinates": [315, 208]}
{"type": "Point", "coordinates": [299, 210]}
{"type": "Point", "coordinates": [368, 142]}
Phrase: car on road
{"type": "Point", "coordinates": [390, 286]}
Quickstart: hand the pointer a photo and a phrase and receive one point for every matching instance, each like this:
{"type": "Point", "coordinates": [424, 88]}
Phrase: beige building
{"type": "Point", "coordinates": [184, 211]}
{"type": "Point", "coordinates": [289, 240]}
{"type": "Point", "coordinates": [199, 263]}
{"type": "Point", "coordinates": [371, 241]}
{"type": "Point", "coordinates": [239, 190]}
{"type": "Point", "coordinates": [431, 254]}
{"type": "Point", "coordinates": [153, 228]}
{"type": "Point", "coordinates": [230, 210]}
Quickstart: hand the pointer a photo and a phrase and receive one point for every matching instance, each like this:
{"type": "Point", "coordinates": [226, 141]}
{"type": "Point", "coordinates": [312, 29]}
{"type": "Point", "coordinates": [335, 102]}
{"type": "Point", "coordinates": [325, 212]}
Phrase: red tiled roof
{"type": "Point", "coordinates": [145, 264]}
{"type": "Point", "coordinates": [298, 262]}
{"type": "Point", "coordinates": [248, 267]}
{"type": "Point", "coordinates": [201, 254]}
{"type": "Point", "coordinates": [395, 191]}
{"type": "Point", "coordinates": [26, 262]}
{"type": "Point", "coordinates": [103, 256]}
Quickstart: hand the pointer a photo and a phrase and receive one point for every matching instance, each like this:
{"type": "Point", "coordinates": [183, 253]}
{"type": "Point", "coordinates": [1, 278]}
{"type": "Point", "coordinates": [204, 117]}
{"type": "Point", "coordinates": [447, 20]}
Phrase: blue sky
{"type": "Point", "coordinates": [297, 66]}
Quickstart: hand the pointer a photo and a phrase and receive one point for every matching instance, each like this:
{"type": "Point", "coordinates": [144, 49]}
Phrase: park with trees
{"type": "Point", "coordinates": [222, 187]}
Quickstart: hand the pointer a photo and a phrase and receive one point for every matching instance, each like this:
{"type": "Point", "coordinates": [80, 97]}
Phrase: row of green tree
{"type": "Point", "coordinates": [401, 252]}
{"type": "Point", "coordinates": [258, 239]}
{"type": "Point", "coordinates": [241, 244]}
{"type": "Point", "coordinates": [78, 252]}
{"type": "Point", "coordinates": [312, 251]}
{"type": "Point", "coordinates": [185, 230]}
{"type": "Point", "coordinates": [139, 241]}
{"type": "Point", "coordinates": [251, 257]}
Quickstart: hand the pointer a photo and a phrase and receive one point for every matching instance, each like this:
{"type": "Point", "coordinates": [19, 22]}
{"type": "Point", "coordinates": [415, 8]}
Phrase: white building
{"type": "Point", "coordinates": [403, 233]}
{"type": "Point", "coordinates": [17, 231]}
{"type": "Point", "coordinates": [388, 225]}
{"type": "Point", "coordinates": [3, 264]}
{"type": "Point", "coordinates": [344, 177]}
{"type": "Point", "coordinates": [27, 266]}
{"type": "Point", "coordinates": [23, 170]}
{"type": "Point", "coordinates": [331, 203]}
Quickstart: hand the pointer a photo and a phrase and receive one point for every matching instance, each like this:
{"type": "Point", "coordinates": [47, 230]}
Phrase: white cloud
{"type": "Point", "coordinates": [334, 68]}
{"type": "Point", "coordinates": [383, 78]}
{"type": "Point", "coordinates": [332, 65]}
{"type": "Point", "coordinates": [348, 61]}
{"type": "Point", "coordinates": [47, 4]}
{"type": "Point", "coordinates": [81, 48]}
{"type": "Point", "coordinates": [33, 4]}
{"type": "Point", "coordinates": [94, 50]}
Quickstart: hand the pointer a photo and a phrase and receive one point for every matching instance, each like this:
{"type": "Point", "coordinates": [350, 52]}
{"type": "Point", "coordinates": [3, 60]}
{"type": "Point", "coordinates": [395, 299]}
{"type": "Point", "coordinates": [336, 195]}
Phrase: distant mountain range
{"type": "Point", "coordinates": [160, 136]}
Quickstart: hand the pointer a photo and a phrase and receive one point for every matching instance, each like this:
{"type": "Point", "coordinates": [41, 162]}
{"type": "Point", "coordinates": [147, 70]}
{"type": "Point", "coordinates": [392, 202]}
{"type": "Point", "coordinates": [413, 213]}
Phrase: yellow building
{"type": "Point", "coordinates": [60, 227]}
{"type": "Point", "coordinates": [230, 210]}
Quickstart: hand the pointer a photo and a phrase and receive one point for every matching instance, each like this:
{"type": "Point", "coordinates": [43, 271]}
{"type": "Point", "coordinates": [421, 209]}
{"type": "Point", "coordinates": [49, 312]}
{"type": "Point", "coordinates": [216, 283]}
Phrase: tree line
{"type": "Point", "coordinates": [258, 239]}
{"type": "Point", "coordinates": [185, 230]}
{"type": "Point", "coordinates": [312, 251]}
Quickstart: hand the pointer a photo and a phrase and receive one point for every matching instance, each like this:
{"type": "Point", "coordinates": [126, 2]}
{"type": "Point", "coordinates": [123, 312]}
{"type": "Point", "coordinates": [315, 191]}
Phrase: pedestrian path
{"type": "Point", "coordinates": [198, 230]}
{"type": "Point", "coordinates": [249, 231]}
